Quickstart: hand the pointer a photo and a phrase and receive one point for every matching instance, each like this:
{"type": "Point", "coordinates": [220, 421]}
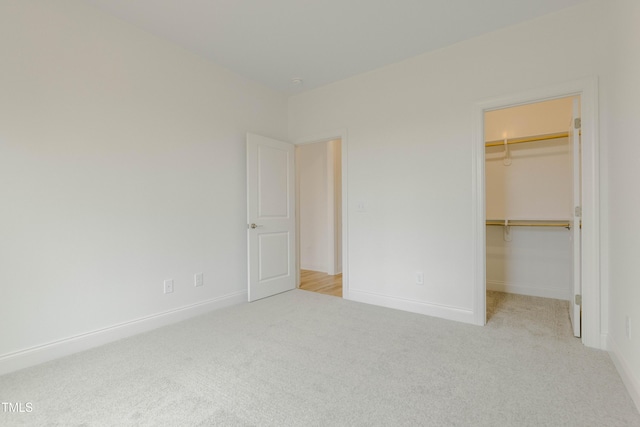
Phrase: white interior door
{"type": "Point", "coordinates": [270, 216]}
{"type": "Point", "coordinates": [574, 139]}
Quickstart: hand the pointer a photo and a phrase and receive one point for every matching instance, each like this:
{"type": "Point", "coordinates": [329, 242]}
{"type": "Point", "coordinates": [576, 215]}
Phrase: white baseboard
{"type": "Point", "coordinates": [318, 268]}
{"type": "Point", "coordinates": [435, 310]}
{"type": "Point", "coordinates": [604, 341]}
{"type": "Point", "coordinates": [546, 292]}
{"type": "Point", "coordinates": [622, 365]}
{"type": "Point", "coordinates": [43, 353]}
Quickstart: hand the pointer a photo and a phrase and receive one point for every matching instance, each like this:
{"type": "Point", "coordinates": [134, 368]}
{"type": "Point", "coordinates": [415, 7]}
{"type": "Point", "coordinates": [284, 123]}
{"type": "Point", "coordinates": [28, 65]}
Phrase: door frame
{"type": "Point", "coordinates": [340, 134]}
{"type": "Point", "coordinates": [593, 312]}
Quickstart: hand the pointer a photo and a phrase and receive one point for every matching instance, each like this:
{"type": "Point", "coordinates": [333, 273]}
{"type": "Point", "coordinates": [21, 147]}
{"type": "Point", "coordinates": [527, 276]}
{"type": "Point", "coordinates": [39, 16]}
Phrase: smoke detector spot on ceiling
{"type": "Point", "coordinates": [296, 83]}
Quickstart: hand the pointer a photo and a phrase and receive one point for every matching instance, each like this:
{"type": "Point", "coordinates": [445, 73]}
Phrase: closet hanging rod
{"type": "Point", "coordinates": [546, 137]}
{"type": "Point", "coordinates": [530, 224]}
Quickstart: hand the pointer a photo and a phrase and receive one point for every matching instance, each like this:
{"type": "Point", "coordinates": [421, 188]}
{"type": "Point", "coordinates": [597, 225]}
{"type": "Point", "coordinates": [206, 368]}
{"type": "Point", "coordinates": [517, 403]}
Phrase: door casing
{"type": "Point", "coordinates": [594, 316]}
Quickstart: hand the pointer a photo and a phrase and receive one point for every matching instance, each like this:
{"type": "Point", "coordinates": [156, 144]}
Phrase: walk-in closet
{"type": "Point", "coordinates": [532, 190]}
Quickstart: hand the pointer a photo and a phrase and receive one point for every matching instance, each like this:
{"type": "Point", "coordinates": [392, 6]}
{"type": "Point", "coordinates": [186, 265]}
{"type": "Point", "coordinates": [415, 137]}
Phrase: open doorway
{"type": "Point", "coordinates": [589, 302]}
{"type": "Point", "coordinates": [319, 216]}
{"type": "Point", "coordinates": [532, 199]}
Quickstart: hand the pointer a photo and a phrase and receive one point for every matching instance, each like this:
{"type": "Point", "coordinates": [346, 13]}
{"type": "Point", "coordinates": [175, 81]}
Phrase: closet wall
{"type": "Point", "coordinates": [536, 185]}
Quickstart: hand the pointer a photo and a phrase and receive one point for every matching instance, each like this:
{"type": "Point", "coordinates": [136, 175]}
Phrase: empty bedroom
{"type": "Point", "coordinates": [173, 173]}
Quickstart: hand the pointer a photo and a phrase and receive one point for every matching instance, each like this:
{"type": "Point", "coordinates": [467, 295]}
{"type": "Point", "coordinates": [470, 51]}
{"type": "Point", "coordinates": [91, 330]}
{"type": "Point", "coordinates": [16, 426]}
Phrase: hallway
{"type": "Point", "coordinates": [316, 281]}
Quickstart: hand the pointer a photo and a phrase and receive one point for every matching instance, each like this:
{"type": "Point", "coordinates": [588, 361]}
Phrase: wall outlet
{"type": "Point", "coordinates": [627, 327]}
{"type": "Point", "coordinates": [168, 286]}
{"type": "Point", "coordinates": [198, 280]}
{"type": "Point", "coordinates": [419, 278]}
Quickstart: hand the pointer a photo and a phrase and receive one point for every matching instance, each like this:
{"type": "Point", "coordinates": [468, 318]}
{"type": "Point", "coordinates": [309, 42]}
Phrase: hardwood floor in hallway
{"type": "Point", "coordinates": [322, 283]}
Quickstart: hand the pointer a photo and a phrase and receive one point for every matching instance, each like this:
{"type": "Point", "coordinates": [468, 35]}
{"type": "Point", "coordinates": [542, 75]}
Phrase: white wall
{"type": "Point", "coordinates": [411, 132]}
{"type": "Point", "coordinates": [536, 185]}
{"type": "Point", "coordinates": [537, 262]}
{"type": "Point", "coordinates": [621, 132]}
{"type": "Point", "coordinates": [313, 180]}
{"type": "Point", "coordinates": [122, 163]}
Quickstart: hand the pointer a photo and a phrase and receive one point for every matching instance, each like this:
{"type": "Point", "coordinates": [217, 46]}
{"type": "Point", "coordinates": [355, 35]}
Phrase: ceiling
{"type": "Point", "coordinates": [320, 41]}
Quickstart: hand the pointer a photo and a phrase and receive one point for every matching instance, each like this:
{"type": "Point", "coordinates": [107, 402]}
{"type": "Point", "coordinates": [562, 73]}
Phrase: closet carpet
{"type": "Point", "coordinates": [306, 359]}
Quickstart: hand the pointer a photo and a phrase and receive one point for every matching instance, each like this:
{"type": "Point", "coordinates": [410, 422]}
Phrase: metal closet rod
{"type": "Point", "coordinates": [530, 224]}
{"type": "Point", "coordinates": [520, 223]}
{"type": "Point", "coordinates": [546, 137]}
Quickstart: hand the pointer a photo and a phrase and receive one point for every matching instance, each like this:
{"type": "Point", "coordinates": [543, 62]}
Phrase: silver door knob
{"type": "Point", "coordinates": [254, 226]}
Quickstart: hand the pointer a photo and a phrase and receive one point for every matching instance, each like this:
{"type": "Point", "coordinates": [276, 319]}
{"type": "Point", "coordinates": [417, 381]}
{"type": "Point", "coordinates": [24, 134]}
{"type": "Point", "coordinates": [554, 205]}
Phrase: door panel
{"type": "Point", "coordinates": [272, 264]}
{"type": "Point", "coordinates": [270, 216]}
{"type": "Point", "coordinates": [273, 181]}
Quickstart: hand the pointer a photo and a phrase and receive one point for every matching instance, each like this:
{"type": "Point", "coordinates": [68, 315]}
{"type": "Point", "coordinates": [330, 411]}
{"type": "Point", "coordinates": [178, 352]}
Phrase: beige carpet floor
{"type": "Point", "coordinates": [305, 359]}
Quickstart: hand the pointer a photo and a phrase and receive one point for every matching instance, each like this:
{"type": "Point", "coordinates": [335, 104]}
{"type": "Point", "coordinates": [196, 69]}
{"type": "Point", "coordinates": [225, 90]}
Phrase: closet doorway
{"type": "Point", "coordinates": [319, 213]}
{"type": "Point", "coordinates": [533, 204]}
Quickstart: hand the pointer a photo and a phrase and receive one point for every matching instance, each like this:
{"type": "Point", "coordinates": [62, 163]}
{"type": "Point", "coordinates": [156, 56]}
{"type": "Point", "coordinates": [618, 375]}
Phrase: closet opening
{"type": "Point", "coordinates": [319, 216]}
{"type": "Point", "coordinates": [533, 199]}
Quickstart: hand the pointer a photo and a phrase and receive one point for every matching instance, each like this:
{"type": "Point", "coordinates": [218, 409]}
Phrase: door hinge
{"type": "Point", "coordinates": [579, 299]}
{"type": "Point", "coordinates": [577, 123]}
{"type": "Point", "coordinates": [578, 211]}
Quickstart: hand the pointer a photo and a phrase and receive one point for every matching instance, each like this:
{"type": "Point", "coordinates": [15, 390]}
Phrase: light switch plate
{"type": "Point", "coordinates": [168, 286]}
